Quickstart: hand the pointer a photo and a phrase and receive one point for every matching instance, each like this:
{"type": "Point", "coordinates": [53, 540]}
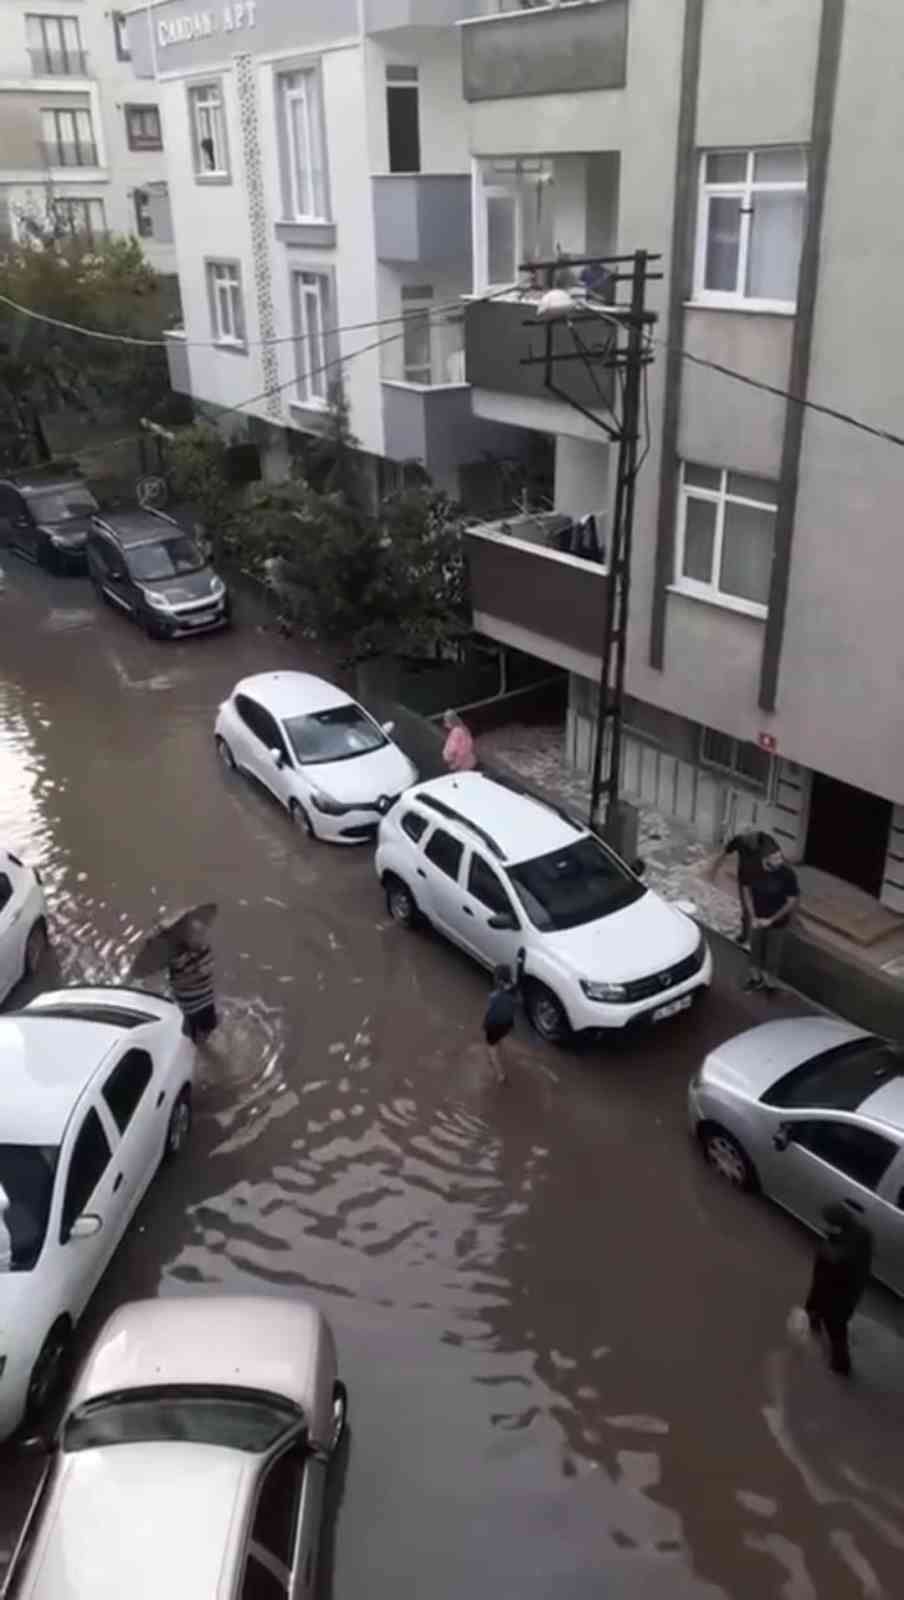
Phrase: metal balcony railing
{"type": "Point", "coordinates": [59, 63]}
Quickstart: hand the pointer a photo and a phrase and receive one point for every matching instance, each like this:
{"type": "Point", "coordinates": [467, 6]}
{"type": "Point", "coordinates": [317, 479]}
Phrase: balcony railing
{"type": "Point", "coordinates": [553, 49]}
{"type": "Point", "coordinates": [59, 153]}
{"type": "Point", "coordinates": [59, 63]}
{"type": "Point", "coordinates": [528, 593]}
{"type": "Point", "coordinates": [381, 16]}
{"type": "Point", "coordinates": [423, 216]}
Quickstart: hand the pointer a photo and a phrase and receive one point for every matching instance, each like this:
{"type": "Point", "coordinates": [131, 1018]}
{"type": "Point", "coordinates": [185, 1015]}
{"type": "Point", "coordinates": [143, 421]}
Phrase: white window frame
{"type": "Point", "coordinates": [312, 374]}
{"type": "Point", "coordinates": [307, 95]}
{"type": "Point", "coordinates": [418, 309]}
{"type": "Point", "coordinates": [206, 100]}
{"type": "Point", "coordinates": [69, 56]}
{"type": "Point", "coordinates": [746, 191]}
{"type": "Point", "coordinates": [136, 115]}
{"type": "Point", "coordinates": [227, 310]}
{"type": "Point", "coordinates": [81, 137]}
{"type": "Point", "coordinates": [65, 205]}
{"type": "Point", "coordinates": [720, 498]}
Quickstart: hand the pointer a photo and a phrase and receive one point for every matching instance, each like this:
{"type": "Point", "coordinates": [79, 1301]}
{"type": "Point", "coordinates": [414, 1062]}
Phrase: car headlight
{"type": "Point", "coordinates": [154, 598]}
{"type": "Point", "coordinates": [603, 991]}
{"type": "Point", "coordinates": [326, 803]}
{"type": "Point", "coordinates": [217, 588]}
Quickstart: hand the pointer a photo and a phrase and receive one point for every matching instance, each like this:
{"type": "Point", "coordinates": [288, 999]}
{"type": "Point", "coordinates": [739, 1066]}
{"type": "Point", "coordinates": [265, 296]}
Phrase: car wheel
{"type": "Point", "coordinates": [179, 1126]}
{"type": "Point", "coordinates": [46, 555]}
{"type": "Point", "coordinates": [301, 820]}
{"type": "Point", "coordinates": [340, 1415]}
{"type": "Point", "coordinates": [401, 904]}
{"type": "Point", "coordinates": [728, 1158]}
{"type": "Point", "coordinates": [48, 1369]}
{"type": "Point", "coordinates": [35, 949]}
{"type": "Point", "coordinates": [225, 754]}
{"type": "Point", "coordinates": [547, 1014]}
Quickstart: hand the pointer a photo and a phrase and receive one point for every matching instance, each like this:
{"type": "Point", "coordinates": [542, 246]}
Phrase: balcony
{"type": "Point", "coordinates": [59, 63]}
{"type": "Point", "coordinates": [423, 216]}
{"type": "Point", "coordinates": [177, 361]}
{"type": "Point", "coordinates": [381, 16]}
{"type": "Point", "coordinates": [528, 594]}
{"type": "Point", "coordinates": [62, 154]}
{"type": "Point", "coordinates": [500, 334]}
{"type": "Point", "coordinates": [555, 49]}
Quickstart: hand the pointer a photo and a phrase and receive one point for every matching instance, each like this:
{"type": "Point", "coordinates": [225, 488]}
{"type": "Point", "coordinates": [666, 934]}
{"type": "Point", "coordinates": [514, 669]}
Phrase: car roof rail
{"type": "Point", "coordinates": [512, 784]}
{"type": "Point", "coordinates": [452, 815]}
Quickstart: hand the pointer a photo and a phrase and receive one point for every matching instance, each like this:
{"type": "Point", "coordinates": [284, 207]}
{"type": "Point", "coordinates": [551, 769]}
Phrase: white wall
{"type": "Point", "coordinates": [582, 477]}
{"type": "Point", "coordinates": [443, 124]}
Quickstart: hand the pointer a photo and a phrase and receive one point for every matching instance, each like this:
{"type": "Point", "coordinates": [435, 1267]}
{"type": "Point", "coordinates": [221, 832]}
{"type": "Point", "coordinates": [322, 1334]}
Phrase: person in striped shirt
{"type": "Point", "coordinates": [191, 980]}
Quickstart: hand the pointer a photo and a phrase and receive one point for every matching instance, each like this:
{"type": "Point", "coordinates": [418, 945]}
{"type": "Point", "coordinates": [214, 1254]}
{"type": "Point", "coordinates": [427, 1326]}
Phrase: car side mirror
{"type": "Point", "coordinates": [502, 922]}
{"type": "Point", "coordinates": [638, 866]}
{"type": "Point", "coordinates": [279, 759]}
{"type": "Point", "coordinates": [86, 1226]}
{"type": "Point", "coordinates": [388, 727]}
{"type": "Point", "coordinates": [782, 1137]}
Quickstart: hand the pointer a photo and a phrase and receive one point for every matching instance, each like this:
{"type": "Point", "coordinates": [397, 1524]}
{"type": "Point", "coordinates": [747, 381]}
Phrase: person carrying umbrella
{"type": "Point", "coordinates": [181, 946]}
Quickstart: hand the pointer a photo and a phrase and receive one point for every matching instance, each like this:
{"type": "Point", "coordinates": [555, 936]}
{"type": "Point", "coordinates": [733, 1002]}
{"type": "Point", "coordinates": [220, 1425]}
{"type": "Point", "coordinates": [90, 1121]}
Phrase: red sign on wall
{"type": "Point", "coordinates": [767, 741]}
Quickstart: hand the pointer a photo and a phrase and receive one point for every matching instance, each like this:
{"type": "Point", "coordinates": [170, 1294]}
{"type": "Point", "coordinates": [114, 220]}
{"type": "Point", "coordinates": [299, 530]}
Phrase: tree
{"type": "Point", "coordinates": [196, 468]}
{"type": "Point", "coordinates": [425, 569]}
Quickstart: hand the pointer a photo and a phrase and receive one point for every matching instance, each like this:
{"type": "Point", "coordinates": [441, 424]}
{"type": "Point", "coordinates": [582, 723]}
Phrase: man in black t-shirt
{"type": "Point", "coordinates": [772, 897]}
{"type": "Point", "coordinates": [751, 847]}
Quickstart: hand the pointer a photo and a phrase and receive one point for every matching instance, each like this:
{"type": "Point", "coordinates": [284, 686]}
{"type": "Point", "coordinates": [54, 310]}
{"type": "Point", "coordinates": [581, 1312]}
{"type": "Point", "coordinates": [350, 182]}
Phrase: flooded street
{"type": "Point", "coordinates": [564, 1342]}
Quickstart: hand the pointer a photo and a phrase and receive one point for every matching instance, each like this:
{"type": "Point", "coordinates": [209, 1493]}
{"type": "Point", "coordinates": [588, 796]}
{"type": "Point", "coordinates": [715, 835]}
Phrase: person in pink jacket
{"type": "Point", "coordinates": [458, 750]}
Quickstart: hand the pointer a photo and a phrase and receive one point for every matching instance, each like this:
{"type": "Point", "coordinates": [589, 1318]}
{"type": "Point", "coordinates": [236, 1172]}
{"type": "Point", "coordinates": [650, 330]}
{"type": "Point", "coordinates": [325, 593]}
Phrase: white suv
{"type": "Point", "coordinates": [513, 880]}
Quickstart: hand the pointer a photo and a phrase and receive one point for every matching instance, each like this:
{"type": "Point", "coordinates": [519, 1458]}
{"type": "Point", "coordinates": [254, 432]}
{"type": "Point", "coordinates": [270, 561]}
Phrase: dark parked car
{"type": "Point", "coordinates": [144, 563]}
{"type": "Point", "coordinates": [47, 519]}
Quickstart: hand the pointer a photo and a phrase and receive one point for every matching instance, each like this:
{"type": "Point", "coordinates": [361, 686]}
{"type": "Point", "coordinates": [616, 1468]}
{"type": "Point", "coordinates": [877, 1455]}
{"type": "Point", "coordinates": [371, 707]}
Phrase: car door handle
{"type": "Point", "coordinates": [421, 873]}
{"type": "Point", "coordinates": [118, 1182]}
{"type": "Point", "coordinates": [467, 911]}
{"type": "Point", "coordinates": [160, 1099]}
{"type": "Point", "coordinates": [854, 1205]}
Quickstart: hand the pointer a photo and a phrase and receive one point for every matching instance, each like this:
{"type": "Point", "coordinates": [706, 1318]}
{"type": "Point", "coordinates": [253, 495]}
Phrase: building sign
{"type": "Point", "coordinates": [202, 24]}
{"type": "Point", "coordinates": [767, 741]}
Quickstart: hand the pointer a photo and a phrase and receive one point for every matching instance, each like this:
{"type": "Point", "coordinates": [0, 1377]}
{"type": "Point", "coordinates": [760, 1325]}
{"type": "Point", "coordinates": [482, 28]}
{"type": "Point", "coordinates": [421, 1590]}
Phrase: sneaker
{"type": "Point", "coordinates": [752, 984]}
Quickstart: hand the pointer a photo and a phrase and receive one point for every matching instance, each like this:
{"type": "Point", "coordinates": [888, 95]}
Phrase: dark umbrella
{"type": "Point", "coordinates": [167, 938]}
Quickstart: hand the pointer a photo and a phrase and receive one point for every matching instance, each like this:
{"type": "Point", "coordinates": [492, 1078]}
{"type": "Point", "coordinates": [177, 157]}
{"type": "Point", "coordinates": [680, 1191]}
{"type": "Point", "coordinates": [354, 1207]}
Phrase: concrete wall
{"type": "Point", "coordinates": [582, 476]}
{"type": "Point", "coordinates": [437, 55]}
{"type": "Point", "coordinates": [724, 423]}
{"type": "Point", "coordinates": [757, 69]}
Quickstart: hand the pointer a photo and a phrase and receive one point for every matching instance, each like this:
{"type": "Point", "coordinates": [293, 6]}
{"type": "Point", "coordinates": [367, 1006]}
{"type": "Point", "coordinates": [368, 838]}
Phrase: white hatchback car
{"type": "Point", "coordinates": [192, 1457]}
{"type": "Point", "coordinates": [96, 1087]}
{"type": "Point", "coordinates": [23, 921]}
{"type": "Point", "coordinates": [516, 882]}
{"type": "Point", "coordinates": [330, 764]}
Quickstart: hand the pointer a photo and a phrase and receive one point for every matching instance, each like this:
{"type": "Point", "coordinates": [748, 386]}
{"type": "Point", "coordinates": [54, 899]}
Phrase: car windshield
{"type": "Point", "coordinates": [235, 1419]}
{"type": "Point", "coordinates": [333, 735]}
{"type": "Point", "coordinates": [152, 563]}
{"type": "Point", "coordinates": [26, 1178]}
{"type": "Point", "coordinates": [839, 1079]}
{"type": "Point", "coordinates": [59, 505]}
{"type": "Point", "coordinates": [572, 886]}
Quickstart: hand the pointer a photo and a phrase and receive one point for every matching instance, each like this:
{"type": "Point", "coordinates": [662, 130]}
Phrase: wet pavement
{"type": "Point", "coordinates": [564, 1341]}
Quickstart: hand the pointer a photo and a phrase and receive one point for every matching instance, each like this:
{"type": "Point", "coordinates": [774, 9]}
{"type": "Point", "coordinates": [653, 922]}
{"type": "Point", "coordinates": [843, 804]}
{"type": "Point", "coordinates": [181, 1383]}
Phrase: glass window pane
{"type": "Point", "coordinates": [416, 349]}
{"type": "Point", "coordinates": [726, 166]}
{"type": "Point", "coordinates": [699, 540]}
{"type": "Point", "coordinates": [718, 748]}
{"type": "Point", "coordinates": [702, 477]}
{"type": "Point", "coordinates": [753, 763]}
{"type": "Point", "coordinates": [776, 236]}
{"type": "Point", "coordinates": [780, 166]}
{"type": "Point", "coordinates": [500, 214]}
{"type": "Point", "coordinates": [750, 488]}
{"type": "Point", "coordinates": [723, 243]}
{"type": "Point", "coordinates": [747, 552]}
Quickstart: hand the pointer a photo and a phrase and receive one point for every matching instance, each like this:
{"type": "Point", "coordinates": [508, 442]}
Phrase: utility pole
{"type": "Point", "coordinates": [626, 353]}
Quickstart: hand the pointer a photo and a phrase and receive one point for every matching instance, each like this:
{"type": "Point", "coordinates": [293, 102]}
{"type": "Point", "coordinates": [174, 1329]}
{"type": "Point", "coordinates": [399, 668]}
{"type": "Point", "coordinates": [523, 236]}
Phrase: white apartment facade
{"type": "Point", "coordinates": [78, 133]}
{"type": "Point", "coordinates": [320, 180]}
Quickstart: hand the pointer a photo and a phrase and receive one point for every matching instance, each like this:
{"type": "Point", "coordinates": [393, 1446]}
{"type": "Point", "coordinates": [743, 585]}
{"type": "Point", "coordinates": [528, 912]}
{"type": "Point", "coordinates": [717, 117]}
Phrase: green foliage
{"type": "Point", "coordinates": [196, 468]}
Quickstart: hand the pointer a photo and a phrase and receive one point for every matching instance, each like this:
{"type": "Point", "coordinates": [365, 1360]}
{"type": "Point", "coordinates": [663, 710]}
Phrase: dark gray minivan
{"type": "Point", "coordinates": [47, 519]}
{"type": "Point", "coordinates": [144, 563]}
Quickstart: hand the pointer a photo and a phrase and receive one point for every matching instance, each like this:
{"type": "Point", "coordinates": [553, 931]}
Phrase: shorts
{"type": "Point", "coordinates": [495, 1032]}
{"type": "Point", "coordinates": [198, 1024]}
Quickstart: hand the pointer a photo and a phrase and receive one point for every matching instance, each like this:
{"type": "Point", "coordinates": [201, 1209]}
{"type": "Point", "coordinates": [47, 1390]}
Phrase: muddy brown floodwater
{"type": "Point", "coordinates": [564, 1343]}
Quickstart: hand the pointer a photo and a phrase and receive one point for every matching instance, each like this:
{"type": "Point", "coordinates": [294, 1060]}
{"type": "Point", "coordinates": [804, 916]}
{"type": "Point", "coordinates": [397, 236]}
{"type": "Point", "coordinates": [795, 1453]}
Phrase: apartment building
{"type": "Point", "coordinates": [754, 147]}
{"type": "Point", "coordinates": [78, 135]}
{"type": "Point", "coordinates": [320, 180]}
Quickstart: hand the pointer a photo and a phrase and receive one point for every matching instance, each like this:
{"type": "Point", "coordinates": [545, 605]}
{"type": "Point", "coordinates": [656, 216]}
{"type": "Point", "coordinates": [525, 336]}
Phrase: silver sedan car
{"type": "Point", "coordinates": [811, 1110]}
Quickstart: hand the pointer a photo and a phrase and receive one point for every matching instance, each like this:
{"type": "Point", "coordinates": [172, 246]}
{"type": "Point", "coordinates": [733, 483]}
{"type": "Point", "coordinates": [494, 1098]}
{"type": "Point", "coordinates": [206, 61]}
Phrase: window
{"type": "Point", "coordinates": [121, 36]}
{"type": "Point", "coordinates": [741, 759]}
{"type": "Point", "coordinates": [208, 131]}
{"type": "Point", "coordinates": [55, 46]}
{"type": "Point", "coordinates": [259, 1583]}
{"type": "Point", "coordinates": [445, 852]}
{"type": "Point", "coordinates": [568, 888]}
{"type": "Point", "coordinates": [273, 1531]}
{"type": "Point", "coordinates": [68, 139]}
{"type": "Point", "coordinates": [417, 364]}
{"type": "Point", "coordinates": [143, 128]}
{"type": "Point", "coordinates": [80, 216]}
{"type": "Point", "coordinates": [514, 218]}
{"type": "Point", "coordinates": [312, 318]}
{"type": "Point", "coordinates": [6, 888]}
{"type": "Point", "coordinates": [302, 119]}
{"type": "Point", "coordinates": [726, 530]}
{"type": "Point", "coordinates": [484, 885]}
{"type": "Point", "coordinates": [126, 1084]}
{"type": "Point", "coordinates": [753, 206]}
{"type": "Point", "coordinates": [90, 1158]}
{"type": "Point", "coordinates": [226, 312]}
{"type": "Point", "coordinates": [411, 823]}
{"type": "Point", "coordinates": [144, 217]}
{"type": "Point", "coordinates": [402, 119]}
{"type": "Point", "coordinates": [340, 734]}
{"type": "Point", "coordinates": [839, 1079]}
{"type": "Point", "coordinates": [859, 1153]}
{"type": "Point", "coordinates": [27, 1172]}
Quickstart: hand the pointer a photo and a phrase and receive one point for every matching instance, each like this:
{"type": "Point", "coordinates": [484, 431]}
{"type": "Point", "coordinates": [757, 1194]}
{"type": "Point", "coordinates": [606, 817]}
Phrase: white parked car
{"type": "Point", "coordinates": [96, 1087]}
{"type": "Point", "coordinates": [331, 765]}
{"type": "Point", "coordinates": [517, 882]}
{"type": "Point", "coordinates": [23, 921]}
{"type": "Point", "coordinates": [192, 1457]}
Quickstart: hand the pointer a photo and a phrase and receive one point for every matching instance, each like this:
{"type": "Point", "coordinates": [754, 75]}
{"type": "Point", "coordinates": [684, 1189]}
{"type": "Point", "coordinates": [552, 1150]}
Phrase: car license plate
{"type": "Point", "coordinates": [673, 1007]}
{"type": "Point", "coordinates": [199, 618]}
